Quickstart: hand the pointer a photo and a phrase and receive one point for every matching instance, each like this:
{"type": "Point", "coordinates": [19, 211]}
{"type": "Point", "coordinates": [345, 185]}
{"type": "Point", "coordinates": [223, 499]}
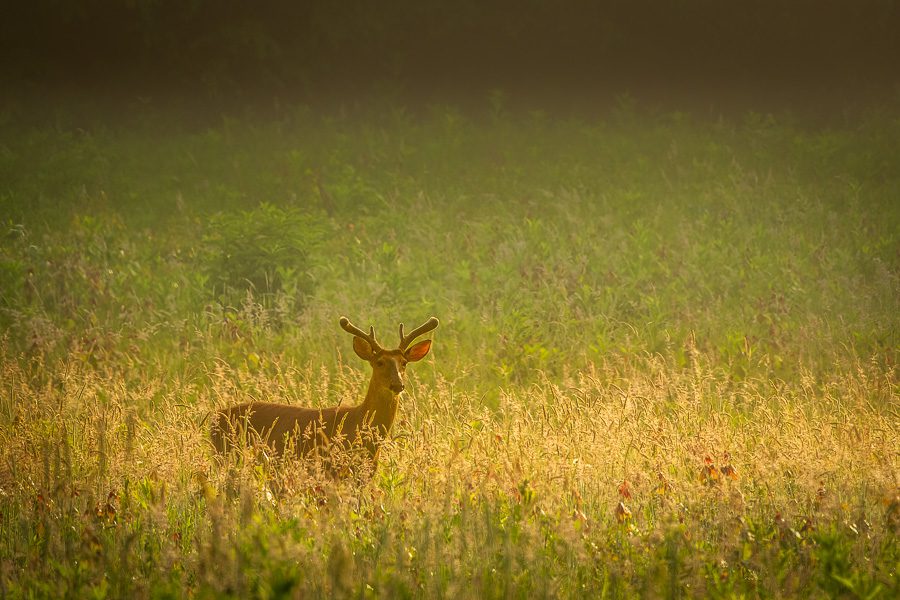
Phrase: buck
{"type": "Point", "coordinates": [283, 427]}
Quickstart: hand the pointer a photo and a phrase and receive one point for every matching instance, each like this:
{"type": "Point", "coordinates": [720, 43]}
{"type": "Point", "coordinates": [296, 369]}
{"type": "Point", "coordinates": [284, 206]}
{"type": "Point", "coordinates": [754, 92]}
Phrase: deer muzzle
{"type": "Point", "coordinates": [397, 385]}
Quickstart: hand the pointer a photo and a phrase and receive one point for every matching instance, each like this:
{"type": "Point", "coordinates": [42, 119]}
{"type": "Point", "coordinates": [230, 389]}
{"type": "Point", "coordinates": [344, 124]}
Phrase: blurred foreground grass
{"type": "Point", "coordinates": [666, 365]}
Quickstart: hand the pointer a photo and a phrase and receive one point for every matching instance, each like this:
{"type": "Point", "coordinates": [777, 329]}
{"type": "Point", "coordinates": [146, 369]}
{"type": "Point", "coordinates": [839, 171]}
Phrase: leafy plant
{"type": "Point", "coordinates": [266, 250]}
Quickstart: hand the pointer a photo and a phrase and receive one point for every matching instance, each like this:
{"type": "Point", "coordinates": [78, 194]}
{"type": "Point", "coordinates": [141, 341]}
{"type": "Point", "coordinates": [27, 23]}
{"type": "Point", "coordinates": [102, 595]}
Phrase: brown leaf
{"type": "Point", "coordinates": [710, 474]}
{"type": "Point", "coordinates": [622, 513]}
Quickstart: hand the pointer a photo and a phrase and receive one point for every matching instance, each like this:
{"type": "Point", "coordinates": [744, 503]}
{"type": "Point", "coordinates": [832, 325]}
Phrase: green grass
{"type": "Point", "coordinates": [629, 298]}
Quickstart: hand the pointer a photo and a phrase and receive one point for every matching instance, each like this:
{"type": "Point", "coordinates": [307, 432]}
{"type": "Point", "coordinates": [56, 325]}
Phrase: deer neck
{"type": "Point", "coordinates": [380, 407]}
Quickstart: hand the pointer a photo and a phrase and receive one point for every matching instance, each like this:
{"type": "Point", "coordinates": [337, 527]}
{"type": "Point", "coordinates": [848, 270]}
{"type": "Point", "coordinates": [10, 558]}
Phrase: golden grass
{"type": "Point", "coordinates": [533, 487]}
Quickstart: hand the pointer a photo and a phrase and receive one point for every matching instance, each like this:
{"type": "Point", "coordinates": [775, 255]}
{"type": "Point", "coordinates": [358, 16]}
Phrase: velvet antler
{"type": "Point", "coordinates": [405, 340]}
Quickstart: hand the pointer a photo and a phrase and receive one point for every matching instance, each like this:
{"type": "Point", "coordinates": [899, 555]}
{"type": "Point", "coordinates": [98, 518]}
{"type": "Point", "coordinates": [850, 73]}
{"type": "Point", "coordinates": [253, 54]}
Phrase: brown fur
{"type": "Point", "coordinates": [366, 425]}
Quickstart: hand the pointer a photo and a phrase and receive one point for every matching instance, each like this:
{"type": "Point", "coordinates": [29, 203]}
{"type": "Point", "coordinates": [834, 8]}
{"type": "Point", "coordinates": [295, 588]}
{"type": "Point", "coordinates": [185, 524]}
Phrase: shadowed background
{"type": "Point", "coordinates": [826, 53]}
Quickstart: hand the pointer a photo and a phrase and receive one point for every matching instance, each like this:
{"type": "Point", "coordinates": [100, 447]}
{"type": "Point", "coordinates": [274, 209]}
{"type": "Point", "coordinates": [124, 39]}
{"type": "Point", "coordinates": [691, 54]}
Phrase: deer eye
{"type": "Point", "coordinates": [380, 362]}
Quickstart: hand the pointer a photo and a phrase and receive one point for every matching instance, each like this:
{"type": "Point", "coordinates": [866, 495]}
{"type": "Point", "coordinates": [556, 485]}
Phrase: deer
{"type": "Point", "coordinates": [286, 428]}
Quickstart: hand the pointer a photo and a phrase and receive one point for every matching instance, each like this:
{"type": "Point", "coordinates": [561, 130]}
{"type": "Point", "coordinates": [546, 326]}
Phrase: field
{"type": "Point", "coordinates": [666, 365]}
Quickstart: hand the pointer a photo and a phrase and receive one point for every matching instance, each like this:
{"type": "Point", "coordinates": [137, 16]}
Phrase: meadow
{"type": "Point", "coordinates": [666, 365]}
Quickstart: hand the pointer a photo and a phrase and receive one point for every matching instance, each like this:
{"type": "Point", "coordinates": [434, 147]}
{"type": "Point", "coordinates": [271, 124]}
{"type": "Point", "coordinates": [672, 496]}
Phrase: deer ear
{"type": "Point", "coordinates": [418, 351]}
{"type": "Point", "coordinates": [362, 348]}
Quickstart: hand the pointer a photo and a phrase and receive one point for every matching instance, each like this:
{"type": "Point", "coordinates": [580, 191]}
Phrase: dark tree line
{"type": "Point", "coordinates": [283, 44]}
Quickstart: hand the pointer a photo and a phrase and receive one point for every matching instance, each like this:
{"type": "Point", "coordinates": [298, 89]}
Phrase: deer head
{"type": "Point", "coordinates": [389, 366]}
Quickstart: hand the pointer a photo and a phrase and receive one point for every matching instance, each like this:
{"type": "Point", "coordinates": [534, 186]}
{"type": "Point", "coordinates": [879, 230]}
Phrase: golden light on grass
{"type": "Point", "coordinates": [108, 472]}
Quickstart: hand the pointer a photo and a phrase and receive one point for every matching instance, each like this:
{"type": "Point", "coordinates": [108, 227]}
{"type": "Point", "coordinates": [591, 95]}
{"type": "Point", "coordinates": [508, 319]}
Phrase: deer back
{"type": "Point", "coordinates": [274, 423]}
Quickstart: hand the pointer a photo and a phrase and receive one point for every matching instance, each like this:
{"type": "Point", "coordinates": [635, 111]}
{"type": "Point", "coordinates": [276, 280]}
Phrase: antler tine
{"type": "Point", "coordinates": [349, 327]}
{"type": "Point", "coordinates": [427, 326]}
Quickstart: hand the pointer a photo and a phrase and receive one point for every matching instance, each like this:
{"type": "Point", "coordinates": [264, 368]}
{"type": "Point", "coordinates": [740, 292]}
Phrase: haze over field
{"type": "Point", "coordinates": [663, 243]}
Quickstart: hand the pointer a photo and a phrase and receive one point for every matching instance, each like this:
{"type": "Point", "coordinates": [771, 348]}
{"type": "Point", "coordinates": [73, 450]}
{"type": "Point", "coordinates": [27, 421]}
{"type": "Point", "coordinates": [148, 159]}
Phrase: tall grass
{"type": "Point", "coordinates": [666, 365]}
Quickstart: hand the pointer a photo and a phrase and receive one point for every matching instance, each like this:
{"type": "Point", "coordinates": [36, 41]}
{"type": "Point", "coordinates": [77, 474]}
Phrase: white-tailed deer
{"type": "Point", "coordinates": [365, 425]}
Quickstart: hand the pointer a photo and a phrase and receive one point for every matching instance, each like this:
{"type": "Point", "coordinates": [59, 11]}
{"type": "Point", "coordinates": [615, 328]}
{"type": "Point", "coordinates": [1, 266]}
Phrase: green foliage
{"type": "Point", "coordinates": [643, 297]}
{"type": "Point", "coordinates": [266, 250]}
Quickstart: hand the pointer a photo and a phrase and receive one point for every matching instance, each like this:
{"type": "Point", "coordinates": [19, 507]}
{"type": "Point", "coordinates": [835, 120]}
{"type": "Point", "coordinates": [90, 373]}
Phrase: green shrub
{"type": "Point", "coordinates": [266, 250]}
